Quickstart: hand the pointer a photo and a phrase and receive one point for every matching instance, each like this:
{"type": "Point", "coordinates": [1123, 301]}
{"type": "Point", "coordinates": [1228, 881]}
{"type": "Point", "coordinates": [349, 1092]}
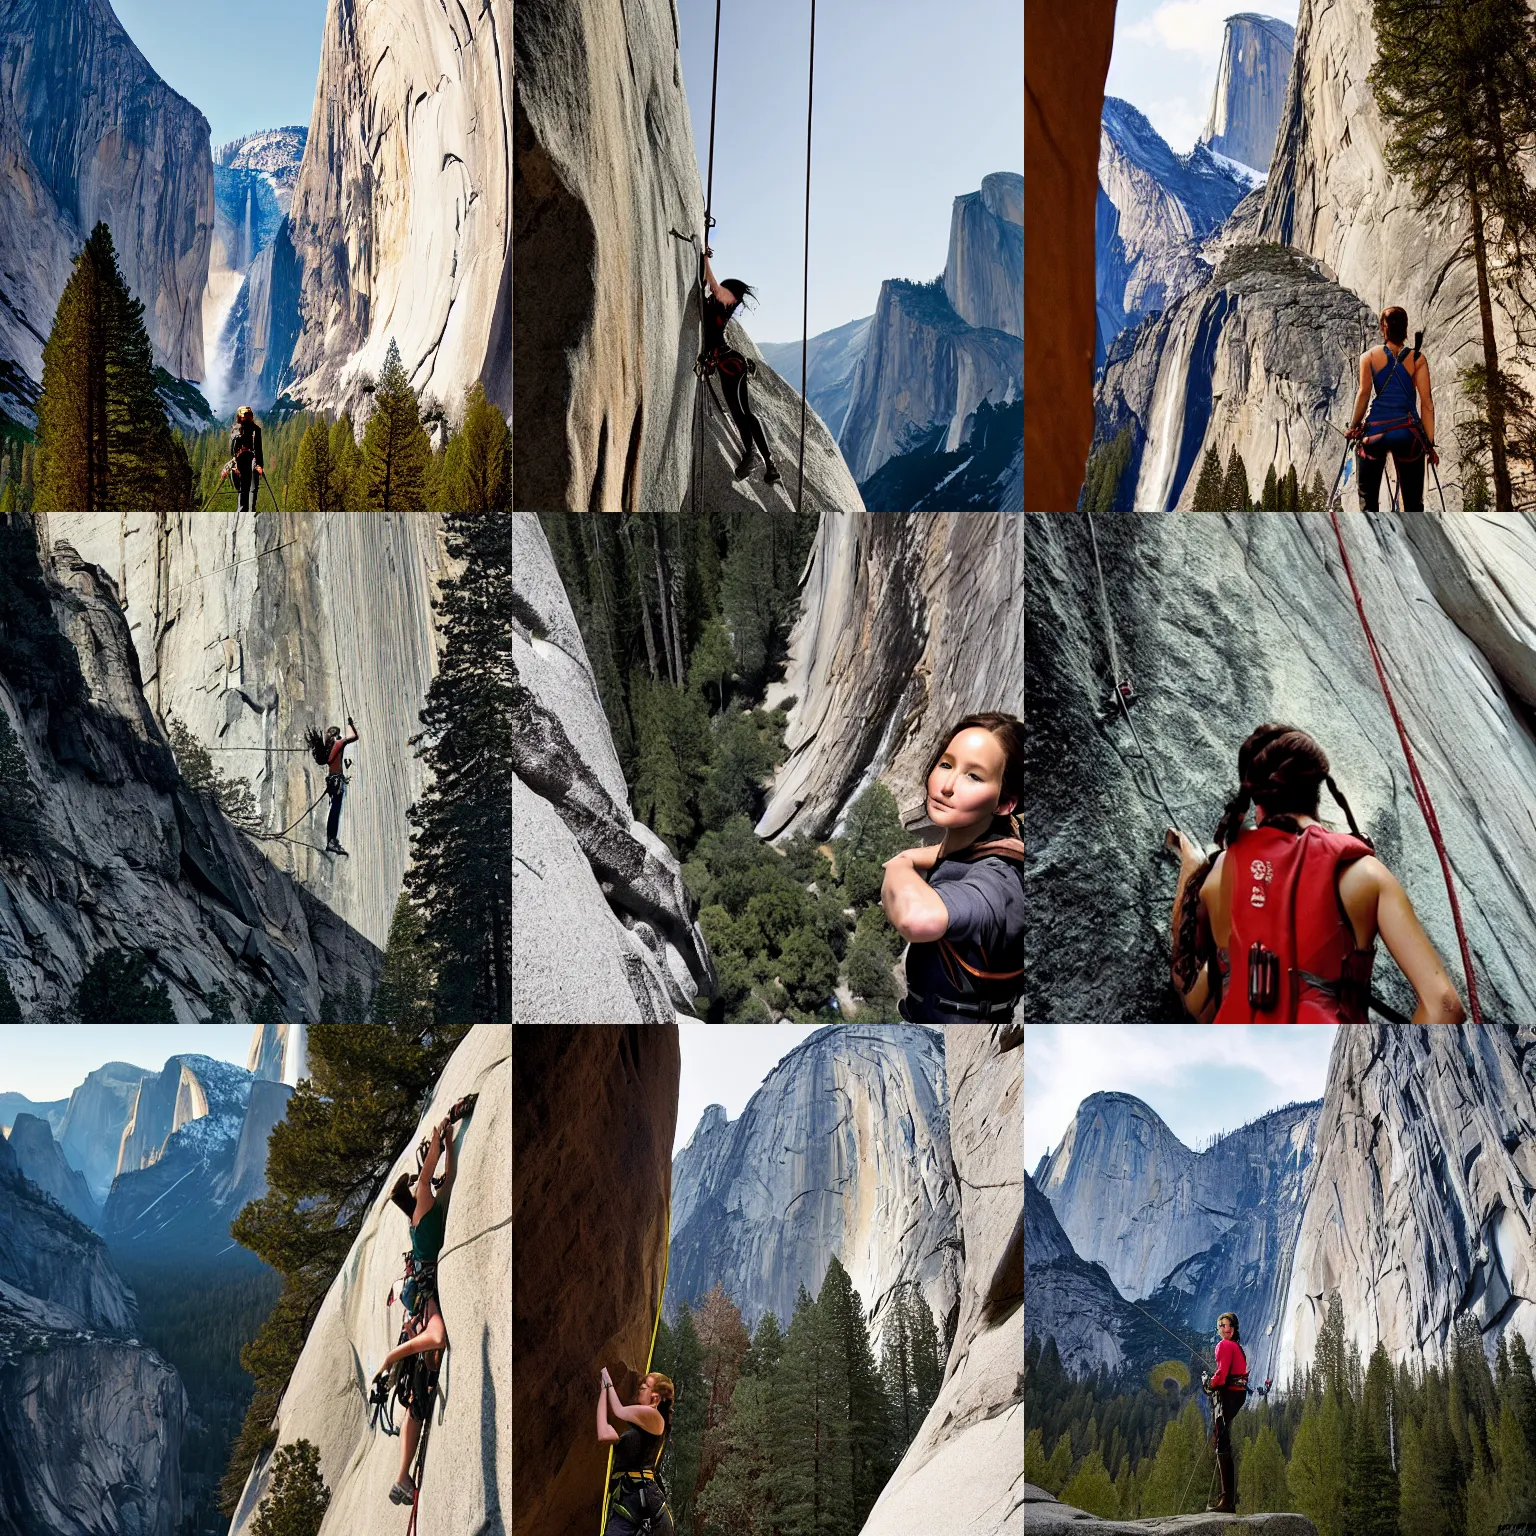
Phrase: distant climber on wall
{"type": "Point", "coordinates": [328, 749]}
{"type": "Point", "coordinates": [960, 902]}
{"type": "Point", "coordinates": [720, 303]}
{"type": "Point", "coordinates": [1399, 421]}
{"type": "Point", "coordinates": [637, 1498]}
{"type": "Point", "coordinates": [1279, 924]}
{"type": "Point", "coordinates": [245, 457]}
{"type": "Point", "coordinates": [1227, 1389]}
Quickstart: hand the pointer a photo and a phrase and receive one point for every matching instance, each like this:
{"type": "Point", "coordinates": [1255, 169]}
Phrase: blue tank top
{"type": "Point", "coordinates": [1397, 397]}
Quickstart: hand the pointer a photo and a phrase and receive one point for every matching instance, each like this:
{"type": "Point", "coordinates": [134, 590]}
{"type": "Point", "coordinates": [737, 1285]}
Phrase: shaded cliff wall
{"type": "Point", "coordinates": [401, 215]}
{"type": "Point", "coordinates": [88, 132]}
{"type": "Point", "coordinates": [1064, 70]}
{"type": "Point", "coordinates": [467, 1486]}
{"type": "Point", "coordinates": [1251, 82]}
{"type": "Point", "coordinates": [595, 1109]}
{"type": "Point", "coordinates": [908, 621]}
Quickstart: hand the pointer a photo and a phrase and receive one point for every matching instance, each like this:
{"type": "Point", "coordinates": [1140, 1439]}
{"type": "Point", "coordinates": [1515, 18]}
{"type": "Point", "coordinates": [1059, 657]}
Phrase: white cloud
{"type": "Point", "coordinates": [1200, 1078]}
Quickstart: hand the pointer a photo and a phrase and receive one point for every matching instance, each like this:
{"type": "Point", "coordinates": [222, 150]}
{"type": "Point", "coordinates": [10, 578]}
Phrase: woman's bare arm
{"type": "Point", "coordinates": [1410, 946]}
{"type": "Point", "coordinates": [606, 1433]}
{"type": "Point", "coordinates": [1363, 394]}
{"type": "Point", "coordinates": [916, 911]}
{"type": "Point", "coordinates": [648, 1419]}
{"type": "Point", "coordinates": [1198, 999]}
{"type": "Point", "coordinates": [1426, 398]}
{"type": "Point", "coordinates": [724, 295]}
{"type": "Point", "coordinates": [450, 1167]}
{"type": "Point", "coordinates": [425, 1199]}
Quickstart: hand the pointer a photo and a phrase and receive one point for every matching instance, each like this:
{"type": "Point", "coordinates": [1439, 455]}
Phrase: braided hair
{"type": "Point", "coordinates": [1282, 769]}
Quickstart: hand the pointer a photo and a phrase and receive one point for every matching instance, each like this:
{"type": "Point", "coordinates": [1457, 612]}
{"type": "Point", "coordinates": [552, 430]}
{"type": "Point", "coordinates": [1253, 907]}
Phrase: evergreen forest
{"type": "Point", "coordinates": [792, 1433]}
{"type": "Point", "coordinates": [1359, 1447]}
{"type": "Point", "coordinates": [686, 622]}
{"type": "Point", "coordinates": [106, 440]}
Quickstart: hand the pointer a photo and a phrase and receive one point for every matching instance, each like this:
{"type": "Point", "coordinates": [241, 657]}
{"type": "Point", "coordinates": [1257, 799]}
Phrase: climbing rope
{"type": "Point", "coordinates": [696, 457]}
{"type": "Point", "coordinates": [805, 299]}
{"type": "Point", "coordinates": [650, 1355]}
{"type": "Point", "coordinates": [1420, 788]}
{"type": "Point", "coordinates": [283, 835]}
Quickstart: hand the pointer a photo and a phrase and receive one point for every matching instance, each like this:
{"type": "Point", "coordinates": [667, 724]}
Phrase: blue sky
{"type": "Point", "coordinates": [726, 1064]}
{"type": "Point", "coordinates": [49, 1061]}
{"type": "Point", "coordinates": [1200, 1078]}
{"type": "Point", "coordinates": [915, 102]}
{"type": "Point", "coordinates": [1166, 55]}
{"type": "Point", "coordinates": [245, 67]}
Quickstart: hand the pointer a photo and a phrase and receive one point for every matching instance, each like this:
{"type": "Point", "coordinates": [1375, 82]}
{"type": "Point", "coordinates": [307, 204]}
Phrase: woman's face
{"type": "Point", "coordinates": [966, 784]}
{"type": "Point", "coordinates": [1224, 1327]}
{"type": "Point", "coordinates": [648, 1396]}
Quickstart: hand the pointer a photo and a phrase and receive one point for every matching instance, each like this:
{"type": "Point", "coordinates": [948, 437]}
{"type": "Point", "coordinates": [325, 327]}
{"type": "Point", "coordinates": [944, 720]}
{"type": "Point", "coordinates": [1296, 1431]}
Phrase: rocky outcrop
{"type": "Point", "coordinates": [13, 1104]}
{"type": "Point", "coordinates": [1074, 1302]}
{"type": "Point", "coordinates": [602, 923]}
{"type": "Point", "coordinates": [984, 272]}
{"type": "Point", "coordinates": [89, 132]}
{"type": "Point", "coordinates": [965, 1459]}
{"type": "Point", "coordinates": [40, 1158]}
{"type": "Point", "coordinates": [907, 623]}
{"type": "Point", "coordinates": [596, 1112]}
{"type": "Point", "coordinates": [831, 360]}
{"type": "Point", "coordinates": [401, 216]}
{"type": "Point", "coordinates": [90, 1420]}
{"type": "Point", "coordinates": [1064, 70]}
{"type": "Point", "coordinates": [91, 1135]}
{"type": "Point", "coordinates": [187, 1088]}
{"type": "Point", "coordinates": [842, 1153]}
{"type": "Point", "coordinates": [1251, 82]}
{"type": "Point", "coordinates": [467, 1485]}
{"type": "Point", "coordinates": [1418, 1208]}
{"type": "Point", "coordinates": [251, 629]}
{"type": "Point", "coordinates": [1155, 210]}
{"type": "Point", "coordinates": [1227, 621]}
{"type": "Point", "coordinates": [1045, 1516]}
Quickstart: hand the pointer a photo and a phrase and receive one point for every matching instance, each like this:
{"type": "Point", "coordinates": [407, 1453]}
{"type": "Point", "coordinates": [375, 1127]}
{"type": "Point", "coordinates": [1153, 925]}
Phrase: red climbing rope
{"type": "Point", "coordinates": [1420, 788]}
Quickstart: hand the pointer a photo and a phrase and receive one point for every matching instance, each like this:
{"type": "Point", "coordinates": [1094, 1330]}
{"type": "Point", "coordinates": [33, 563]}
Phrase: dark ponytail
{"type": "Point", "coordinates": [1280, 768]}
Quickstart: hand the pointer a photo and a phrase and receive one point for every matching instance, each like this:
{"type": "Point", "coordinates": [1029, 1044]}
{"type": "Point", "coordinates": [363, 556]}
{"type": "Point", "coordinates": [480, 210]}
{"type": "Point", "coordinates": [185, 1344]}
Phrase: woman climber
{"type": "Point", "coordinates": [328, 749]}
{"type": "Point", "coordinates": [1279, 924]}
{"type": "Point", "coordinates": [720, 303]}
{"type": "Point", "coordinates": [427, 1214]}
{"type": "Point", "coordinates": [637, 1504]}
{"type": "Point", "coordinates": [1399, 421]}
{"type": "Point", "coordinates": [960, 902]}
{"type": "Point", "coordinates": [1228, 1391]}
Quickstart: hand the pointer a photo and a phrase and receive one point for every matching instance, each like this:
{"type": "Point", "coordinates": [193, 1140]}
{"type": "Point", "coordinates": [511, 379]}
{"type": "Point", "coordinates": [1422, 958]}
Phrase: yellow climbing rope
{"type": "Point", "coordinates": [649, 1355]}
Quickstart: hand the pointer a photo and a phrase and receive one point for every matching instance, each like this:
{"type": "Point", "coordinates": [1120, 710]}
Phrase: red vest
{"type": "Point", "coordinates": [1285, 896]}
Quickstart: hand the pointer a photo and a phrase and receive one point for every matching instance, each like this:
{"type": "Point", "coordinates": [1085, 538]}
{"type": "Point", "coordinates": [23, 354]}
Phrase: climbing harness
{"type": "Point", "coordinates": [610, 1480]}
{"type": "Point", "coordinates": [1416, 779]}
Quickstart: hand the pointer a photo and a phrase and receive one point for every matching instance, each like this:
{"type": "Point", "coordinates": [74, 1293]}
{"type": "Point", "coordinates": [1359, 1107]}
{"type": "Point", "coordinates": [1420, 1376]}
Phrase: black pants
{"type": "Point", "coordinates": [627, 1513]}
{"type": "Point", "coordinates": [336, 788]}
{"type": "Point", "coordinates": [248, 484]}
{"type": "Point", "coordinates": [1410, 477]}
{"type": "Point", "coordinates": [734, 387]}
{"type": "Point", "coordinates": [1227, 1405]}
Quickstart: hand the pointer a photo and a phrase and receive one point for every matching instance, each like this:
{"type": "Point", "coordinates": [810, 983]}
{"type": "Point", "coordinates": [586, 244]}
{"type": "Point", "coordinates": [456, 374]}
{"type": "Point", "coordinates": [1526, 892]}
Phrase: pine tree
{"type": "Point", "coordinates": [868, 1410]}
{"type": "Point", "coordinates": [1208, 487]}
{"type": "Point", "coordinates": [741, 1496]}
{"type": "Point", "coordinates": [767, 1348]}
{"type": "Point", "coordinates": [116, 989]}
{"type": "Point", "coordinates": [1182, 1459]}
{"type": "Point", "coordinates": [461, 875]}
{"type": "Point", "coordinates": [396, 448]}
{"type": "Point", "coordinates": [1318, 1472]}
{"type": "Point", "coordinates": [1037, 1466]}
{"type": "Point", "coordinates": [346, 467]}
{"type": "Point", "coordinates": [313, 488]}
{"type": "Point", "coordinates": [478, 475]}
{"type": "Point", "coordinates": [297, 1499]}
{"type": "Point", "coordinates": [680, 1357]}
{"type": "Point", "coordinates": [406, 981]}
{"type": "Point", "coordinates": [1261, 1481]}
{"type": "Point", "coordinates": [810, 1445]}
{"type": "Point", "coordinates": [1091, 1488]}
{"type": "Point", "coordinates": [10, 1009]}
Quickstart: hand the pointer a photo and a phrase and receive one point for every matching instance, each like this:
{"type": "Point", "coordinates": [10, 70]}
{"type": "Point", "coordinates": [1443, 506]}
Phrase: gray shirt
{"type": "Point", "coordinates": [985, 902]}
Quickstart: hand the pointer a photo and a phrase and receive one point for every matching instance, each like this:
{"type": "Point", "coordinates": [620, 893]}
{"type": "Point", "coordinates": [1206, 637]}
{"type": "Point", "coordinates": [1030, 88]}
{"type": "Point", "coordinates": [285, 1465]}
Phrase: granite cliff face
{"type": "Point", "coordinates": [400, 225]}
{"type": "Point", "coordinates": [1226, 621]}
{"type": "Point", "coordinates": [470, 1469]}
{"type": "Point", "coordinates": [1418, 1206]}
{"type": "Point", "coordinates": [607, 322]}
{"type": "Point", "coordinates": [91, 1135]}
{"type": "Point", "coordinates": [830, 362]}
{"type": "Point", "coordinates": [593, 1128]}
{"type": "Point", "coordinates": [89, 132]}
{"type": "Point", "coordinates": [1068, 1299]}
{"type": "Point", "coordinates": [842, 1153]}
{"type": "Point", "coordinates": [41, 1160]}
{"type": "Point", "coordinates": [936, 350]}
{"type": "Point", "coordinates": [90, 1420]}
{"type": "Point", "coordinates": [907, 622]}
{"type": "Point", "coordinates": [602, 925]}
{"type": "Point", "coordinates": [966, 1458]}
{"type": "Point", "coordinates": [1045, 1515]}
{"type": "Point", "coordinates": [1251, 82]}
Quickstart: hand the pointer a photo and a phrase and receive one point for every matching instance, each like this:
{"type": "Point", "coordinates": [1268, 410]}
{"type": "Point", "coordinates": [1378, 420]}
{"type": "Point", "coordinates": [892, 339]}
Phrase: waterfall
{"type": "Point", "coordinates": [246, 254]}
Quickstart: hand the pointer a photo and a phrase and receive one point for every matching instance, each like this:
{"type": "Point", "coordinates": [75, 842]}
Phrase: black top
{"type": "Point", "coordinates": [715, 317]}
{"type": "Point", "coordinates": [637, 1450]}
{"type": "Point", "coordinates": [985, 902]}
{"type": "Point", "coordinates": [244, 441]}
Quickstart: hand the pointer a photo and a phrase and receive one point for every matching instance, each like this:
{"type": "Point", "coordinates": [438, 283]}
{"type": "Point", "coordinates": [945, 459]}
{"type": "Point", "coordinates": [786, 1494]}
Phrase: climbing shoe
{"type": "Point", "coordinates": [334, 847]}
{"type": "Point", "coordinates": [743, 469]}
{"type": "Point", "coordinates": [403, 1491]}
{"type": "Point", "coordinates": [771, 475]}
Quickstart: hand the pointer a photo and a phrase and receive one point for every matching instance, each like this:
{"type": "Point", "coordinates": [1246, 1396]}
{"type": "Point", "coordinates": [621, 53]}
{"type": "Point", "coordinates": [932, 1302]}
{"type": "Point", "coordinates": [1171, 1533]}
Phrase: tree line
{"type": "Point", "coordinates": [1362, 1448]}
{"type": "Point", "coordinates": [686, 623]}
{"type": "Point", "coordinates": [792, 1434]}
